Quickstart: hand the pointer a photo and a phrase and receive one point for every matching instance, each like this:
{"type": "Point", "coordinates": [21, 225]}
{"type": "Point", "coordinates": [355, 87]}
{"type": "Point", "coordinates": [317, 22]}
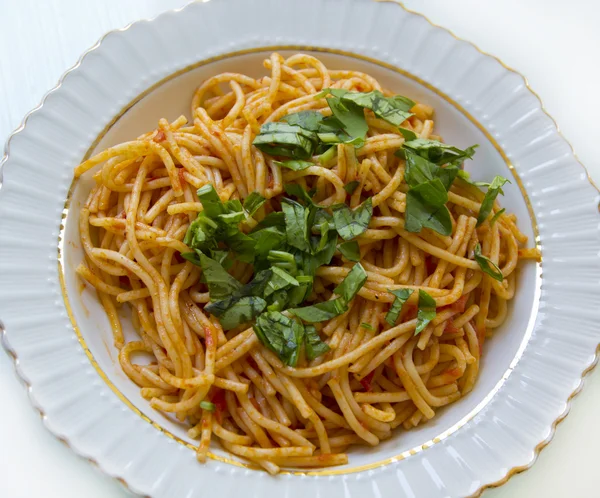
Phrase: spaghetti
{"type": "Point", "coordinates": [401, 343]}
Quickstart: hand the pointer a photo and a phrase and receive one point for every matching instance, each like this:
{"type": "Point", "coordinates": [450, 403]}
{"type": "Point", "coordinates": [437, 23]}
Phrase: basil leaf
{"type": "Point", "coordinates": [240, 243]}
{"type": "Point", "coordinates": [294, 164]}
{"type": "Point", "coordinates": [275, 219]}
{"type": "Point", "coordinates": [351, 186]}
{"type": "Point", "coordinates": [280, 334]}
{"type": "Point", "coordinates": [253, 203]}
{"type": "Point", "coordinates": [220, 283]}
{"type": "Point", "coordinates": [438, 152]}
{"type": "Point", "coordinates": [487, 265]}
{"type": "Point", "coordinates": [321, 311]}
{"type": "Point", "coordinates": [487, 204]}
{"type": "Point", "coordinates": [496, 216]}
{"type": "Point", "coordinates": [208, 406]}
{"type": "Point", "coordinates": [258, 285]}
{"type": "Point", "coordinates": [297, 295]}
{"type": "Point", "coordinates": [327, 310]}
{"type": "Point", "coordinates": [408, 134]}
{"type": "Point", "coordinates": [427, 311]}
{"type": "Point", "coordinates": [350, 250]}
{"type": "Point", "coordinates": [242, 310]}
{"type": "Point", "coordinates": [352, 223]}
{"type": "Point", "coordinates": [283, 260]}
{"type": "Point", "coordinates": [353, 282]}
{"type": "Point", "coordinates": [313, 345]}
{"type": "Point", "coordinates": [367, 326]}
{"type": "Point", "coordinates": [297, 191]}
{"type": "Point", "coordinates": [419, 170]}
{"type": "Point", "coordinates": [352, 118]}
{"type": "Point", "coordinates": [394, 110]}
{"type": "Point", "coordinates": [425, 207]}
{"type": "Point", "coordinates": [336, 92]}
{"type": "Point", "coordinates": [192, 257]}
{"type": "Point", "coordinates": [280, 279]}
{"type": "Point", "coordinates": [309, 120]}
{"type": "Point", "coordinates": [325, 256]}
{"type": "Point", "coordinates": [266, 240]}
{"type": "Point", "coordinates": [401, 296]}
{"type": "Point", "coordinates": [282, 139]}
{"type": "Point", "coordinates": [201, 233]}
{"type": "Point", "coordinates": [222, 257]}
{"type": "Point", "coordinates": [328, 155]}
{"type": "Point", "coordinates": [211, 202]}
{"type": "Point", "coordinates": [296, 224]}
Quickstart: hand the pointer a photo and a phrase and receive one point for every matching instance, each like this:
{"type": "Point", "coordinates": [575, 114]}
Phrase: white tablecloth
{"type": "Point", "coordinates": [552, 42]}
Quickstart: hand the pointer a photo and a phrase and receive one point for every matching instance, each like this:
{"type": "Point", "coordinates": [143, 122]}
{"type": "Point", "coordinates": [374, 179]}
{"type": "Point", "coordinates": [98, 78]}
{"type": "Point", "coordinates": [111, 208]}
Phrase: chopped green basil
{"type": "Point", "coordinates": [419, 170]}
{"type": "Point", "coordinates": [297, 224]}
{"type": "Point", "coordinates": [233, 312]}
{"type": "Point", "coordinates": [438, 152]}
{"type": "Point", "coordinates": [401, 296]}
{"type": "Point", "coordinates": [352, 119]}
{"type": "Point", "coordinates": [208, 406]}
{"type": "Point", "coordinates": [253, 203]}
{"type": "Point", "coordinates": [294, 164]}
{"type": "Point", "coordinates": [352, 223]}
{"type": "Point", "coordinates": [328, 155]}
{"type": "Point", "coordinates": [394, 110]}
{"type": "Point", "coordinates": [408, 134]}
{"type": "Point", "coordinates": [220, 283]}
{"type": "Point", "coordinates": [321, 311]}
{"type": "Point", "coordinates": [280, 334]}
{"type": "Point", "coordinates": [353, 282]}
{"type": "Point", "coordinates": [487, 265]}
{"type": "Point", "coordinates": [426, 207]}
{"type": "Point", "coordinates": [266, 240]}
{"type": "Point", "coordinates": [496, 216]}
{"type": "Point", "coordinates": [487, 204]}
{"type": "Point", "coordinates": [282, 139]}
{"type": "Point", "coordinates": [309, 120]}
{"type": "Point", "coordinates": [281, 279]}
{"type": "Point", "coordinates": [427, 311]}
{"type": "Point", "coordinates": [327, 310]}
{"type": "Point", "coordinates": [350, 250]}
{"type": "Point", "coordinates": [313, 345]}
{"type": "Point", "coordinates": [350, 187]}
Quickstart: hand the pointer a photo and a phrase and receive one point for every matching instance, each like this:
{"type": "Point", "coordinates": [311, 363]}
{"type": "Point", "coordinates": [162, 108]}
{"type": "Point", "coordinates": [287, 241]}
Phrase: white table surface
{"type": "Point", "coordinates": [552, 42]}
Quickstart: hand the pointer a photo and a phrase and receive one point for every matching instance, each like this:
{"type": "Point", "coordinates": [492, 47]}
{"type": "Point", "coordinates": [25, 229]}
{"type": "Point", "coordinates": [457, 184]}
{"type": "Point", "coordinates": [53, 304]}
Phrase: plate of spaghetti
{"type": "Point", "coordinates": [295, 262]}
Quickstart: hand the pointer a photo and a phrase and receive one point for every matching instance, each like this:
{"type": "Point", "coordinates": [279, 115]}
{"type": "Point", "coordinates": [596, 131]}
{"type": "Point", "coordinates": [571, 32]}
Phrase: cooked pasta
{"type": "Point", "coordinates": [384, 268]}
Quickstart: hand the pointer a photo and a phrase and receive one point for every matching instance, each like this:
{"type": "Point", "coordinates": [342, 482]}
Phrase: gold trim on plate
{"type": "Point", "coordinates": [420, 81]}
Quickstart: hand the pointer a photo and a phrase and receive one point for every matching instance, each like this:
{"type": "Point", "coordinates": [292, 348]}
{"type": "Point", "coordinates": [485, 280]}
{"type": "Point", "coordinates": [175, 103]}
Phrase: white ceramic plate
{"type": "Point", "coordinates": [60, 337]}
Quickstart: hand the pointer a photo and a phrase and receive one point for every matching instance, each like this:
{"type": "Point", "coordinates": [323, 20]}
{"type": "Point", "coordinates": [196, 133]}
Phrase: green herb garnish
{"type": "Point", "coordinates": [438, 152]}
{"type": "Point", "coordinates": [313, 345]}
{"type": "Point", "coordinates": [496, 216]}
{"type": "Point", "coordinates": [487, 204]}
{"type": "Point", "coordinates": [426, 311]}
{"type": "Point", "coordinates": [294, 164]}
{"type": "Point", "coordinates": [208, 406]}
{"type": "Point", "coordinates": [350, 250]}
{"type": "Point", "coordinates": [280, 334]}
{"type": "Point", "coordinates": [253, 203]}
{"type": "Point", "coordinates": [346, 291]}
{"type": "Point", "coordinates": [352, 223]}
{"type": "Point", "coordinates": [282, 139]}
{"type": "Point", "coordinates": [487, 265]}
{"type": "Point", "coordinates": [401, 296]}
{"type": "Point", "coordinates": [350, 187]}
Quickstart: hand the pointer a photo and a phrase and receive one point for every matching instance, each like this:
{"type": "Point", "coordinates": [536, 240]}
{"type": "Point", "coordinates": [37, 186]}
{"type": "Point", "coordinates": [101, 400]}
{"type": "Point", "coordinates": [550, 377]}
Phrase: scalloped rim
{"type": "Point", "coordinates": [11, 352]}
